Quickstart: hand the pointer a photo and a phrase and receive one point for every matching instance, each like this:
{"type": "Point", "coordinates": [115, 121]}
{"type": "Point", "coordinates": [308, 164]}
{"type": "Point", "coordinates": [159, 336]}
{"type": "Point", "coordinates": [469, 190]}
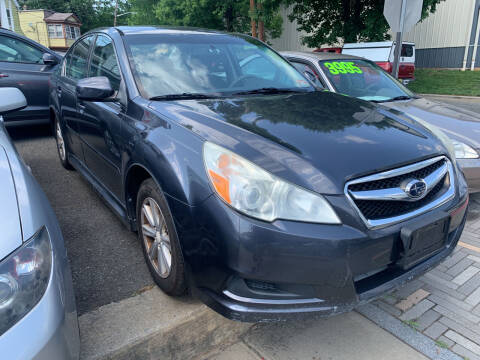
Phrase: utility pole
{"type": "Point", "coordinates": [401, 15]}
{"type": "Point", "coordinates": [252, 17]}
{"type": "Point", "coordinates": [115, 14]}
{"type": "Point", "coordinates": [398, 45]}
{"type": "Point", "coordinates": [261, 25]}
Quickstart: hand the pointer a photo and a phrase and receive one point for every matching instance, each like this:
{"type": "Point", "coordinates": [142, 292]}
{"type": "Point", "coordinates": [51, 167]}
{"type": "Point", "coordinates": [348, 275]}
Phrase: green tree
{"type": "Point", "coordinates": [226, 15]}
{"type": "Point", "coordinates": [92, 13]}
{"type": "Point", "coordinates": [143, 12]}
{"type": "Point", "coordinates": [331, 21]}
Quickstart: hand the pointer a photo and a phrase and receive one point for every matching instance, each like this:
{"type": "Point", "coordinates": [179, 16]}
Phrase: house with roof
{"type": "Point", "coordinates": [9, 18]}
{"type": "Point", "coordinates": [57, 31]}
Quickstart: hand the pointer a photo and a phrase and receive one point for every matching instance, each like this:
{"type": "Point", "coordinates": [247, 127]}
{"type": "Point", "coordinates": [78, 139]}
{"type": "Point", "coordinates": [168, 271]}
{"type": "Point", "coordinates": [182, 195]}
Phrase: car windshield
{"type": "Point", "coordinates": [363, 79]}
{"type": "Point", "coordinates": [183, 65]}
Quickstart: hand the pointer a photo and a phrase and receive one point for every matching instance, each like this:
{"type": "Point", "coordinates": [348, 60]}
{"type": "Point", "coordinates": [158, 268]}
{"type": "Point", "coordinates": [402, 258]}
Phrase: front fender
{"type": "Point", "coordinates": [172, 155]}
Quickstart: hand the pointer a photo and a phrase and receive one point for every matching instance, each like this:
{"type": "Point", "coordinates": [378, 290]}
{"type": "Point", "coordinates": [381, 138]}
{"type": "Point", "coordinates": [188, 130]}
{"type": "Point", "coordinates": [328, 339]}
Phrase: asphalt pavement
{"type": "Point", "coordinates": [106, 259]}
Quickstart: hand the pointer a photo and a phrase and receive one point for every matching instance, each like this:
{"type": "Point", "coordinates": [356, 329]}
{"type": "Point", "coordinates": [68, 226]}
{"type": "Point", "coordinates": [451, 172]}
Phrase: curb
{"type": "Point", "coordinates": [452, 96]}
{"type": "Point", "coordinates": [415, 339]}
{"type": "Point", "coordinates": [153, 325]}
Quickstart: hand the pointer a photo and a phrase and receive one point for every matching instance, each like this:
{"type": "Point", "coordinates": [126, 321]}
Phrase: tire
{"type": "Point", "coordinates": [156, 232]}
{"type": "Point", "coordinates": [62, 149]}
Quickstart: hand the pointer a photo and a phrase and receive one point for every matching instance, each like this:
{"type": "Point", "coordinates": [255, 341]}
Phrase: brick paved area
{"type": "Point", "coordinates": [444, 304]}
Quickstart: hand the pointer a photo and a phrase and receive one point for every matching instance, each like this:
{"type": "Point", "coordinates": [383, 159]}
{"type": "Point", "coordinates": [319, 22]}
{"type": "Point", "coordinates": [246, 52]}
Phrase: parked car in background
{"type": "Point", "coordinates": [37, 305]}
{"type": "Point", "coordinates": [354, 76]}
{"type": "Point", "coordinates": [382, 53]}
{"type": "Point", "coordinates": [265, 196]}
{"type": "Point", "coordinates": [336, 50]}
{"type": "Point", "coordinates": [26, 65]}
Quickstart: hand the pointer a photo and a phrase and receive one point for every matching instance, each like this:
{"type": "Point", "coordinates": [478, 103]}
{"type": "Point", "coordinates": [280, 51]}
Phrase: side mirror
{"type": "Point", "coordinates": [309, 76]}
{"type": "Point", "coordinates": [96, 88]}
{"type": "Point", "coordinates": [11, 99]}
{"type": "Point", "coordinates": [49, 59]}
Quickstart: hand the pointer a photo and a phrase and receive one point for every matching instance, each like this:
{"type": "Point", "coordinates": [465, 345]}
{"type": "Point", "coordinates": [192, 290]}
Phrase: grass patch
{"type": "Point", "coordinates": [412, 323]}
{"type": "Point", "coordinates": [390, 296]}
{"type": "Point", "coordinates": [446, 82]}
{"type": "Point", "coordinates": [441, 344]}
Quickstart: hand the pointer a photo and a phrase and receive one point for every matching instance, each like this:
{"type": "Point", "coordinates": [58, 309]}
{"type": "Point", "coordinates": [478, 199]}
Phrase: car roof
{"type": "Point", "coordinates": [377, 44]}
{"type": "Point", "coordinates": [318, 55]}
{"type": "Point", "coordinates": [139, 30]}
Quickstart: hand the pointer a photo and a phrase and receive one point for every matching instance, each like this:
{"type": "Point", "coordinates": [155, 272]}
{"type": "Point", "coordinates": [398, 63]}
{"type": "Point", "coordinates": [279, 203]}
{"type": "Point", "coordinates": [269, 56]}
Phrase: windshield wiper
{"type": "Point", "coordinates": [184, 96]}
{"type": "Point", "coordinates": [267, 90]}
{"type": "Point", "coordinates": [396, 98]}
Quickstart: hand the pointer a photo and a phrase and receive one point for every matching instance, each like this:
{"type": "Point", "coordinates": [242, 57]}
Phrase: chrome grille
{"type": "Point", "coordinates": [383, 199]}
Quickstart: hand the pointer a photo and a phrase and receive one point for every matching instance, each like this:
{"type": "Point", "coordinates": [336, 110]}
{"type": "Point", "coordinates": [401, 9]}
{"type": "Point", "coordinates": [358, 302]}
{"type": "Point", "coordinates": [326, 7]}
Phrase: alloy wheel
{"type": "Point", "coordinates": [60, 141]}
{"type": "Point", "coordinates": [156, 238]}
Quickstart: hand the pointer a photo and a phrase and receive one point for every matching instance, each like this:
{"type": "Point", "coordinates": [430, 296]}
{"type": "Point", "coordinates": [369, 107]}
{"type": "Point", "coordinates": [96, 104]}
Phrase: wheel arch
{"type": "Point", "coordinates": [52, 116]}
{"type": "Point", "coordinates": [135, 175]}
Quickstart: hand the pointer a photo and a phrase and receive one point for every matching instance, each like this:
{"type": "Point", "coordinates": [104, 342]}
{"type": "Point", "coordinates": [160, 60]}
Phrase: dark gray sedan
{"type": "Point", "coordinates": [361, 78]}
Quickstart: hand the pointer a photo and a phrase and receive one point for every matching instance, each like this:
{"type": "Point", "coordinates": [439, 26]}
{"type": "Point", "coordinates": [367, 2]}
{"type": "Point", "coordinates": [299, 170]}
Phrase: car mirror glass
{"type": "Point", "coordinates": [11, 99]}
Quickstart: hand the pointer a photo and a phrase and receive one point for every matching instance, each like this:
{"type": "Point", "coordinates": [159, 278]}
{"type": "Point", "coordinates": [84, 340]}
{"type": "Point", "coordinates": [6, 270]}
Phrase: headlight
{"type": "Point", "coordinates": [255, 192]}
{"type": "Point", "coordinates": [24, 277]}
{"type": "Point", "coordinates": [463, 151]}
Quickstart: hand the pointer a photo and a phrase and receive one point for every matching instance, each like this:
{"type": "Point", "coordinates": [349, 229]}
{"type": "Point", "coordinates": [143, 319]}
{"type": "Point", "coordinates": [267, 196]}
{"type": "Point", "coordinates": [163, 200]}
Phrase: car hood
{"type": "Point", "coordinates": [317, 140]}
{"type": "Point", "coordinates": [9, 215]}
{"type": "Point", "coordinates": [460, 124]}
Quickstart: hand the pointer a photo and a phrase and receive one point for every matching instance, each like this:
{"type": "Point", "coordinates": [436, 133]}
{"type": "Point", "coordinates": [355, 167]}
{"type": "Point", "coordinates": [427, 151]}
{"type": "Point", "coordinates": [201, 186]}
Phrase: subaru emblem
{"type": "Point", "coordinates": [416, 189]}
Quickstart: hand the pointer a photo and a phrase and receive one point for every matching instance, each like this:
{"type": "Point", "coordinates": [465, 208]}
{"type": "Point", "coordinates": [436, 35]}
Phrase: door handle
{"type": "Point", "coordinates": [3, 75]}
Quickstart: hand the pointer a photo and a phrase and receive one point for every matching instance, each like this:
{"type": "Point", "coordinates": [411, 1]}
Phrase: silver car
{"type": "Point", "coordinates": [362, 78]}
{"type": "Point", "coordinates": [38, 318]}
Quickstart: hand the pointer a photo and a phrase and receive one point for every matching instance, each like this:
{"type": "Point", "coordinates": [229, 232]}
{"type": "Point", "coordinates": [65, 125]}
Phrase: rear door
{"type": "Point", "coordinates": [21, 66]}
{"type": "Point", "coordinates": [75, 67]}
{"type": "Point", "coordinates": [101, 122]}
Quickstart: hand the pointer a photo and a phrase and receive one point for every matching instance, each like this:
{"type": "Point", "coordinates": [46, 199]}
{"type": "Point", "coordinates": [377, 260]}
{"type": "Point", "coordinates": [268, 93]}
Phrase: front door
{"type": "Point", "coordinates": [75, 68]}
{"type": "Point", "coordinates": [101, 122]}
{"type": "Point", "coordinates": [21, 66]}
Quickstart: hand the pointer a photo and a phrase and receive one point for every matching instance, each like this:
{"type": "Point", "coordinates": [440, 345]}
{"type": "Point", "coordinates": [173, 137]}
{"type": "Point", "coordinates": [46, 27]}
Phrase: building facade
{"type": "Point", "coordinates": [9, 18]}
{"type": "Point", "coordinates": [54, 30]}
{"type": "Point", "coordinates": [448, 38]}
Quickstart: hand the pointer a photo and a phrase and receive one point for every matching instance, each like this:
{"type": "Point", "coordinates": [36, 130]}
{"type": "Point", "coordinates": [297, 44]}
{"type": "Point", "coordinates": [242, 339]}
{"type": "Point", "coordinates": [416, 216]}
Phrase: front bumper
{"type": "Point", "coordinates": [251, 270]}
{"type": "Point", "coordinates": [471, 169]}
{"type": "Point", "coordinates": [50, 330]}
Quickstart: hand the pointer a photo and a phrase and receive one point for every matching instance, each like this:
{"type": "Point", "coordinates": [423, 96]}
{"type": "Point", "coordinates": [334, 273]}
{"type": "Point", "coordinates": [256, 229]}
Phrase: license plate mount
{"type": "Point", "coordinates": [423, 240]}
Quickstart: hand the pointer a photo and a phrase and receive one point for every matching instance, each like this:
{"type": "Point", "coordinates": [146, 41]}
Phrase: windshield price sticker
{"type": "Point", "coordinates": [342, 67]}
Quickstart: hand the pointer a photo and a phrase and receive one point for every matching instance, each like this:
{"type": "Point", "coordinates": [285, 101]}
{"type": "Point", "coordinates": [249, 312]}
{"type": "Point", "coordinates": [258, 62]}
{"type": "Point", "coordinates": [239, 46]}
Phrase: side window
{"type": "Point", "coordinates": [309, 72]}
{"type": "Point", "coordinates": [407, 50]}
{"type": "Point", "coordinates": [258, 66]}
{"type": "Point", "coordinates": [77, 59]}
{"type": "Point", "coordinates": [104, 61]}
{"type": "Point", "coordinates": [15, 50]}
